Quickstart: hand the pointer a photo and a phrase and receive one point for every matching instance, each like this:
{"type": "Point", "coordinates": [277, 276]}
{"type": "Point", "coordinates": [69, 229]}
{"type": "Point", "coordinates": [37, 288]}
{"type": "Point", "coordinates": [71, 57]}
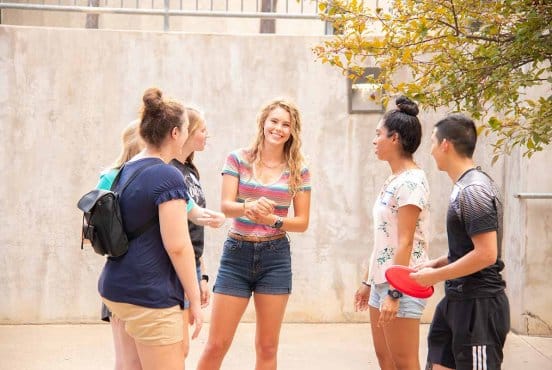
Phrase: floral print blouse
{"type": "Point", "coordinates": [406, 188]}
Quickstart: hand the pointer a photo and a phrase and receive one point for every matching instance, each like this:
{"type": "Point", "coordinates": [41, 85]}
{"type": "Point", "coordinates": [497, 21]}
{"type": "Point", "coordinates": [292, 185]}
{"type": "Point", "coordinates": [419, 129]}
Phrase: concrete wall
{"type": "Point", "coordinates": [67, 94]}
{"type": "Point", "coordinates": [527, 248]}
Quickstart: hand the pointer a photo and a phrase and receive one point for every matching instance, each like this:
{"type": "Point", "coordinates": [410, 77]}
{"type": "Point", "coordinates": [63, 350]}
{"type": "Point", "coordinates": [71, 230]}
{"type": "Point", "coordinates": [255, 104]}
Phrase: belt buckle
{"type": "Point", "coordinates": [256, 238]}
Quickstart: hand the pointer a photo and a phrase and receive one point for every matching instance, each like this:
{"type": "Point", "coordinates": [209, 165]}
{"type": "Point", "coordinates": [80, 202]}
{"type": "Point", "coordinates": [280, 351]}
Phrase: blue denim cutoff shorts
{"type": "Point", "coordinates": [260, 267]}
{"type": "Point", "coordinates": [409, 307]}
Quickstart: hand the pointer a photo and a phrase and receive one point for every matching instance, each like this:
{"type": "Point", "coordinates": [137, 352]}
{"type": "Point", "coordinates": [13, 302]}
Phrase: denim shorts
{"type": "Point", "coordinates": [260, 267]}
{"type": "Point", "coordinates": [409, 307]}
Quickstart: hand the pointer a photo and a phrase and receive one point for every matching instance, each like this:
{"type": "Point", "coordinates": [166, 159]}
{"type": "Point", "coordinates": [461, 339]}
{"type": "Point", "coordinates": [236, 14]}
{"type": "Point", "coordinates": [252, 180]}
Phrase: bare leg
{"type": "Point", "coordinates": [270, 311]}
{"type": "Point", "coordinates": [225, 317]}
{"type": "Point", "coordinates": [161, 357]}
{"type": "Point", "coordinates": [403, 340]}
{"type": "Point", "coordinates": [380, 344]}
{"type": "Point", "coordinates": [440, 367]}
{"type": "Point", "coordinates": [126, 355]}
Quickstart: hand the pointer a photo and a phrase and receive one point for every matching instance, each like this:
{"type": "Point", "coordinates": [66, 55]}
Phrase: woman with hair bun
{"type": "Point", "coordinates": [145, 287]}
{"type": "Point", "coordinates": [400, 214]}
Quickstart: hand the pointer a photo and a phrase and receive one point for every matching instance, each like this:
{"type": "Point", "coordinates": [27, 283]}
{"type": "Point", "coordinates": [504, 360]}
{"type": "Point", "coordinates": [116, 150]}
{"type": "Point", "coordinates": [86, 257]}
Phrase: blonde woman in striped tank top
{"type": "Point", "coordinates": [259, 185]}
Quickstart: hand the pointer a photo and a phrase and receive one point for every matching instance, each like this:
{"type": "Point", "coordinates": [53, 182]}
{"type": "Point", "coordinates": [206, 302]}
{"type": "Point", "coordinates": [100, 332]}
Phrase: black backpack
{"type": "Point", "coordinates": [102, 223]}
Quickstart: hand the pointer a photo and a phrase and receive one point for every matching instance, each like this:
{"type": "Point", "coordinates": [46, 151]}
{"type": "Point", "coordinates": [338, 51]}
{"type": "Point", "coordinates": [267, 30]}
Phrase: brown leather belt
{"type": "Point", "coordinates": [255, 238]}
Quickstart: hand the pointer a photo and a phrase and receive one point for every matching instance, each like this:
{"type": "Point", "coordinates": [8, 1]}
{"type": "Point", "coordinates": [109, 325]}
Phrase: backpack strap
{"type": "Point", "coordinates": [154, 220]}
{"type": "Point", "coordinates": [134, 175]}
{"type": "Point", "coordinates": [82, 232]}
{"type": "Point", "coordinates": [142, 229]}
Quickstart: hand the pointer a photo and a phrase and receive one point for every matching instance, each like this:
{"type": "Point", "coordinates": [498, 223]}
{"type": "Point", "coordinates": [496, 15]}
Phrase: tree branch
{"type": "Point", "coordinates": [455, 17]}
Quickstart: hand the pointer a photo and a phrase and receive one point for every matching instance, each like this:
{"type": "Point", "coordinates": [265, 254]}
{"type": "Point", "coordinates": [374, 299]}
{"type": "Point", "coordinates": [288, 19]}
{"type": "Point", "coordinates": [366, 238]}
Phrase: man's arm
{"type": "Point", "coordinates": [483, 255]}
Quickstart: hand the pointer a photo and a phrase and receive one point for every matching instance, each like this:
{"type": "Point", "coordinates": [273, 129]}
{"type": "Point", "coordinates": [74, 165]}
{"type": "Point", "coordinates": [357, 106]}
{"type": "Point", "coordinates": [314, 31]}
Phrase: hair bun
{"type": "Point", "coordinates": [407, 106]}
{"type": "Point", "coordinates": [153, 100]}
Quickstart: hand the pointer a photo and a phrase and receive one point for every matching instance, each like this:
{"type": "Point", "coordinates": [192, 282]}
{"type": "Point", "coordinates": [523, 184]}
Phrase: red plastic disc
{"type": "Point", "coordinates": [399, 277]}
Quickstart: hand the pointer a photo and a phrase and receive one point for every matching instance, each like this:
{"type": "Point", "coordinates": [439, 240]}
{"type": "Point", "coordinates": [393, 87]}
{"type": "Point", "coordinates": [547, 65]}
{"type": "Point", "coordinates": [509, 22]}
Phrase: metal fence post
{"type": "Point", "coordinates": [93, 20]}
{"type": "Point", "coordinates": [166, 15]}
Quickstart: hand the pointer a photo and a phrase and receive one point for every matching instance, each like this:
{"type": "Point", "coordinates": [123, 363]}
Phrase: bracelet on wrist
{"type": "Point", "coordinates": [365, 283]}
{"type": "Point", "coordinates": [278, 223]}
{"type": "Point", "coordinates": [246, 200]}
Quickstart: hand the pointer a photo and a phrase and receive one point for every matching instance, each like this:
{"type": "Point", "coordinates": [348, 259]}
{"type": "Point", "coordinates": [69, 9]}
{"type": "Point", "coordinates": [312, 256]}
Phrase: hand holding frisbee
{"type": "Point", "coordinates": [399, 277]}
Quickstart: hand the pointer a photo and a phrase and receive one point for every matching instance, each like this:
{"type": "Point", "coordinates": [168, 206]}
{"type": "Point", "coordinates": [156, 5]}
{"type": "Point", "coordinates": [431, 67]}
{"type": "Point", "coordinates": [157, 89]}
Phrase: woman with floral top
{"type": "Point", "coordinates": [401, 224]}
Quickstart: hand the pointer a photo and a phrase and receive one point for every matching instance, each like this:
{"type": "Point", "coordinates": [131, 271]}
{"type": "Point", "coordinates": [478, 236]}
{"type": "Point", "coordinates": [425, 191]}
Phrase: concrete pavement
{"type": "Point", "coordinates": [302, 347]}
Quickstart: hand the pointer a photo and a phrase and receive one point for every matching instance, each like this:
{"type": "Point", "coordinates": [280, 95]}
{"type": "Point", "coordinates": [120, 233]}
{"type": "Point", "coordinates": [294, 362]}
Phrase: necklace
{"type": "Point", "coordinates": [271, 167]}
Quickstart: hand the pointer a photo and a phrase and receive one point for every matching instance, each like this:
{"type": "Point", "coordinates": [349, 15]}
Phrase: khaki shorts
{"type": "Point", "coordinates": [150, 326]}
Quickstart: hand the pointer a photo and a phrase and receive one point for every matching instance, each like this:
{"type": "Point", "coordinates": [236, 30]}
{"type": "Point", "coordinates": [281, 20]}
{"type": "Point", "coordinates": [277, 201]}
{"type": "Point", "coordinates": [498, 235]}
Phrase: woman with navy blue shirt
{"type": "Point", "coordinates": [145, 287]}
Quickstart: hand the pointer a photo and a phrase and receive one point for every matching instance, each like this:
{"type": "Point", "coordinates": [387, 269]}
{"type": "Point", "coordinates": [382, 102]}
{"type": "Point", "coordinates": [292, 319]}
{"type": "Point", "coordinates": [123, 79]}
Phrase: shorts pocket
{"type": "Point", "coordinates": [232, 245]}
{"type": "Point", "coordinates": [279, 246]}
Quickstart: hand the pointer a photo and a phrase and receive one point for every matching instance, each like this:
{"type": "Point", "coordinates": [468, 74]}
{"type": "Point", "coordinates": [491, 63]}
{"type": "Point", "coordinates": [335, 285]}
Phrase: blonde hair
{"type": "Point", "coordinates": [195, 118]}
{"type": "Point", "coordinates": [292, 148]}
{"type": "Point", "coordinates": [132, 144]}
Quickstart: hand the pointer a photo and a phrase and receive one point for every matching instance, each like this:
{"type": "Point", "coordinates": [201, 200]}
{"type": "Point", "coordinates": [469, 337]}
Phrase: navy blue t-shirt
{"type": "Point", "coordinates": [145, 276]}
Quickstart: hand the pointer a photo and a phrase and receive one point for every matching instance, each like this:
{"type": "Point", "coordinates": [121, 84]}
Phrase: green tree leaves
{"type": "Point", "coordinates": [476, 56]}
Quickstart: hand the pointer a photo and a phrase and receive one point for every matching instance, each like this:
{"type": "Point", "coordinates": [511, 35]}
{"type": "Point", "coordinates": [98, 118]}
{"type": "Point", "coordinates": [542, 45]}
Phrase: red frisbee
{"type": "Point", "coordinates": [399, 277]}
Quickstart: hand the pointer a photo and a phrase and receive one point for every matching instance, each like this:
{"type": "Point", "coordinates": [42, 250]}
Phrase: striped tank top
{"type": "Point", "coordinates": [251, 189]}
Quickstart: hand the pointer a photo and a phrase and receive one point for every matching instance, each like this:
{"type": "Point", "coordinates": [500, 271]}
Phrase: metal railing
{"type": "Point", "coordinates": [533, 195]}
{"type": "Point", "coordinates": [276, 9]}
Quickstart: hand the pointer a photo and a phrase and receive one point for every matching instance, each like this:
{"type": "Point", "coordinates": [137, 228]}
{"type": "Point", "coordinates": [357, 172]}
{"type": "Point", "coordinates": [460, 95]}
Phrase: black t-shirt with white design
{"type": "Point", "coordinates": [195, 192]}
{"type": "Point", "coordinates": [475, 207]}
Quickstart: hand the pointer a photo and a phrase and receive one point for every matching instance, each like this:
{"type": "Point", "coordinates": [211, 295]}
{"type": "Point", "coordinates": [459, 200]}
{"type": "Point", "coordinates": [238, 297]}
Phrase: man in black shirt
{"type": "Point", "coordinates": [471, 322]}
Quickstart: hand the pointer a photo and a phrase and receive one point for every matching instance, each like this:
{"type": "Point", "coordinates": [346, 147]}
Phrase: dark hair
{"type": "Point", "coordinates": [159, 116]}
{"type": "Point", "coordinates": [460, 131]}
{"type": "Point", "coordinates": [404, 122]}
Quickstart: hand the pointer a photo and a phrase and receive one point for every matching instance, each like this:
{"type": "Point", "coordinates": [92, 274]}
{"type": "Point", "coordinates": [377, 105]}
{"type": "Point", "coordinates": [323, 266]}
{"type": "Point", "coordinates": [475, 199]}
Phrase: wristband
{"type": "Point", "coordinates": [205, 277]}
{"type": "Point", "coordinates": [365, 283]}
{"type": "Point", "coordinates": [278, 223]}
{"type": "Point", "coordinates": [245, 201]}
{"type": "Point", "coordinates": [394, 293]}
